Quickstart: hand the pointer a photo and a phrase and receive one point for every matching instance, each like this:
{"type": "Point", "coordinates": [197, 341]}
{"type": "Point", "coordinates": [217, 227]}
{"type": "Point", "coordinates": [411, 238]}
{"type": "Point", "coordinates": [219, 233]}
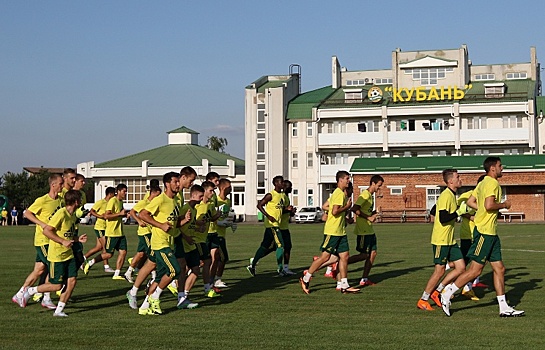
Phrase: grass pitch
{"type": "Point", "coordinates": [269, 312]}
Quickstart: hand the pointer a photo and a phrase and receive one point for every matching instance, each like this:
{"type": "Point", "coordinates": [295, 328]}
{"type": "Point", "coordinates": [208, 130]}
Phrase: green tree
{"type": "Point", "coordinates": [22, 189]}
{"type": "Point", "coordinates": [216, 143]}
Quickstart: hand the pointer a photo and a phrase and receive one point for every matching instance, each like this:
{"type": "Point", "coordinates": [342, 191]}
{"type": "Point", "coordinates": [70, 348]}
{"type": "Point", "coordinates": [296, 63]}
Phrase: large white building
{"type": "Point", "coordinates": [428, 103]}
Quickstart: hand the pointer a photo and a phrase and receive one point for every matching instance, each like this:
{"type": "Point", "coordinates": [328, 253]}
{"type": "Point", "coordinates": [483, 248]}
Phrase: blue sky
{"type": "Point", "coordinates": [97, 80]}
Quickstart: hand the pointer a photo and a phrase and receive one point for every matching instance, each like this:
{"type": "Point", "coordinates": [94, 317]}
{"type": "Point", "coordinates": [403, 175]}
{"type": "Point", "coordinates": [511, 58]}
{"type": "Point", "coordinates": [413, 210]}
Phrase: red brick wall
{"type": "Point", "coordinates": [526, 190]}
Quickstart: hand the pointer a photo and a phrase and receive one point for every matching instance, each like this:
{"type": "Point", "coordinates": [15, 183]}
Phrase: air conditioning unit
{"type": "Point", "coordinates": [368, 80]}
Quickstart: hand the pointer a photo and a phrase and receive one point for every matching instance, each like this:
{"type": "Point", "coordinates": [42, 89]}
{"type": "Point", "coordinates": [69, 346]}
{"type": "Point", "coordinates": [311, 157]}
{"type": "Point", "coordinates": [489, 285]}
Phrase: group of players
{"type": "Point", "coordinates": [177, 240]}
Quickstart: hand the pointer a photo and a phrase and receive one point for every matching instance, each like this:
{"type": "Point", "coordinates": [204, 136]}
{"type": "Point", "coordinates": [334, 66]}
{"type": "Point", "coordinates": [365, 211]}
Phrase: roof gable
{"type": "Point", "coordinates": [428, 61]}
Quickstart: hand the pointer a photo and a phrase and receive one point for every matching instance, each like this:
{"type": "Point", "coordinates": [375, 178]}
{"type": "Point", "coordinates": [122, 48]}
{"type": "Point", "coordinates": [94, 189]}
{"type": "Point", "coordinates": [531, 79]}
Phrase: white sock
{"type": "Point", "coordinates": [450, 290]}
{"type": "Point", "coordinates": [133, 291]}
{"type": "Point", "coordinates": [344, 283]}
{"type": "Point", "coordinates": [174, 283]}
{"type": "Point", "coordinates": [339, 286]}
{"type": "Point", "coordinates": [286, 267]}
{"type": "Point", "coordinates": [145, 304]}
{"type": "Point", "coordinates": [307, 277]}
{"type": "Point", "coordinates": [32, 290]}
{"type": "Point", "coordinates": [157, 293]}
{"type": "Point", "coordinates": [60, 307]}
{"type": "Point", "coordinates": [153, 274]}
{"type": "Point", "coordinates": [328, 270]}
{"type": "Point", "coordinates": [129, 270]}
{"type": "Point", "coordinates": [440, 287]}
{"type": "Point", "coordinates": [92, 262]}
{"type": "Point", "coordinates": [47, 296]}
{"type": "Point", "coordinates": [364, 279]}
{"type": "Point", "coordinates": [425, 296]}
{"type": "Point", "coordinates": [477, 280]}
{"type": "Point", "coordinates": [468, 287]}
{"type": "Point", "coordinates": [502, 302]}
{"type": "Point", "coordinates": [117, 272]}
{"type": "Point", "coordinates": [447, 267]}
{"type": "Point", "coordinates": [106, 266]}
{"type": "Point", "coordinates": [21, 292]}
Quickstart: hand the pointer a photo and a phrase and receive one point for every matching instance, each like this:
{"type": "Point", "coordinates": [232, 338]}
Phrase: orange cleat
{"type": "Point", "coordinates": [424, 305]}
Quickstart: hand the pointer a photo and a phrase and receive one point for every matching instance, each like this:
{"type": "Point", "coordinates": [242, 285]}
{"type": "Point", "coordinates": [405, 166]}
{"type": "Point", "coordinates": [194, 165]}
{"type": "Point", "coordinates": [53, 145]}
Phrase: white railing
{"type": "Point", "coordinates": [503, 135]}
{"type": "Point", "coordinates": [415, 137]}
{"type": "Point", "coordinates": [360, 138]}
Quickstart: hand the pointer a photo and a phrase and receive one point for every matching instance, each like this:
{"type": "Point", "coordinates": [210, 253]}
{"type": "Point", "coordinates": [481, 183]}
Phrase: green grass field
{"type": "Point", "coordinates": [269, 312]}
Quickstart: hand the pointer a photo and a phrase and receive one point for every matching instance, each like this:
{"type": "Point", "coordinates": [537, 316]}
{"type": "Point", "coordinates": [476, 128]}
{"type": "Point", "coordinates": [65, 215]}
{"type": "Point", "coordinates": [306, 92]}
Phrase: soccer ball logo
{"type": "Point", "coordinates": [374, 94]}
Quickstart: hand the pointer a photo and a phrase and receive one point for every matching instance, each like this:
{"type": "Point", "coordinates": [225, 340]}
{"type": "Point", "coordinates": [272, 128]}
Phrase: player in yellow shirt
{"type": "Point", "coordinates": [163, 214]}
{"type": "Point", "coordinates": [63, 268]}
{"type": "Point", "coordinates": [98, 210]}
{"type": "Point", "coordinates": [39, 213]}
{"type": "Point", "coordinates": [444, 245]}
{"type": "Point", "coordinates": [272, 207]}
{"type": "Point", "coordinates": [287, 213]}
{"type": "Point", "coordinates": [115, 238]}
{"type": "Point", "coordinates": [366, 242]}
{"type": "Point", "coordinates": [335, 240]}
{"type": "Point", "coordinates": [144, 235]}
{"type": "Point", "coordinates": [486, 245]}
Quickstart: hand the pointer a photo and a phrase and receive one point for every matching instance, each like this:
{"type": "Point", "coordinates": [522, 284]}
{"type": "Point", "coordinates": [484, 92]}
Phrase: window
{"type": "Point", "coordinates": [494, 90]}
{"type": "Point", "coordinates": [136, 189]}
{"type": "Point", "coordinates": [309, 129]}
{"type": "Point", "coordinates": [383, 81]}
{"type": "Point", "coordinates": [260, 149]}
{"type": "Point", "coordinates": [261, 116]}
{"type": "Point", "coordinates": [432, 195]}
{"type": "Point", "coordinates": [339, 158]}
{"type": "Point", "coordinates": [310, 197]}
{"type": "Point", "coordinates": [294, 160]}
{"type": "Point", "coordinates": [516, 75]}
{"type": "Point", "coordinates": [238, 195]}
{"type": "Point", "coordinates": [405, 125]}
{"type": "Point", "coordinates": [295, 197]}
{"type": "Point", "coordinates": [369, 126]}
{"type": "Point", "coordinates": [396, 190]}
{"type": "Point", "coordinates": [476, 123]}
{"type": "Point", "coordinates": [310, 159]}
{"type": "Point", "coordinates": [512, 121]}
{"type": "Point", "coordinates": [429, 76]}
{"type": "Point", "coordinates": [353, 95]}
{"type": "Point", "coordinates": [488, 76]}
{"type": "Point", "coordinates": [261, 179]}
{"type": "Point", "coordinates": [294, 129]}
{"type": "Point", "coordinates": [359, 82]}
{"type": "Point", "coordinates": [339, 127]}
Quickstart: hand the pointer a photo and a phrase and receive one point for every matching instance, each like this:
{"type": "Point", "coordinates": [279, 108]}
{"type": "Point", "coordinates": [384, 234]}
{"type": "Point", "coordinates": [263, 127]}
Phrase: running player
{"type": "Point", "coordinates": [287, 213]}
{"type": "Point", "coordinates": [62, 265]}
{"type": "Point", "coordinates": [115, 238]}
{"type": "Point", "coordinates": [98, 210]}
{"type": "Point", "coordinates": [272, 206]}
{"type": "Point", "coordinates": [39, 213]}
{"type": "Point", "coordinates": [335, 240]}
{"type": "Point", "coordinates": [486, 245]}
{"type": "Point", "coordinates": [443, 243]}
{"type": "Point", "coordinates": [366, 242]}
{"type": "Point", "coordinates": [144, 235]}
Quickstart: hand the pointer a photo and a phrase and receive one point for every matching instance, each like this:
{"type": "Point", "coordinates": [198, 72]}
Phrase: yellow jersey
{"type": "Point", "coordinates": [164, 209]}
{"type": "Point", "coordinates": [43, 208]}
{"type": "Point", "coordinates": [142, 231]}
{"type": "Point", "coordinates": [466, 226]}
{"type": "Point", "coordinates": [285, 218]}
{"type": "Point", "coordinates": [363, 225]}
{"type": "Point", "coordinates": [65, 225]}
{"type": "Point", "coordinates": [100, 208]}
{"type": "Point", "coordinates": [486, 221]}
{"type": "Point", "coordinates": [114, 227]}
{"type": "Point", "coordinates": [443, 234]}
{"type": "Point", "coordinates": [224, 206]}
{"type": "Point", "coordinates": [274, 208]}
{"type": "Point", "coordinates": [335, 224]}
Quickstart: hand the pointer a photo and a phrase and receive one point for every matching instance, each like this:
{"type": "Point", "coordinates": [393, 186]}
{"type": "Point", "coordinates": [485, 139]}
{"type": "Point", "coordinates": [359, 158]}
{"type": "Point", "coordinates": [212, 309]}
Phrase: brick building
{"type": "Point", "coordinates": [412, 185]}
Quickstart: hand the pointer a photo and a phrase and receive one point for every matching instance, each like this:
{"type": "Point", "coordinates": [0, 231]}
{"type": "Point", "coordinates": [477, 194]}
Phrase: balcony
{"type": "Point", "coordinates": [328, 172]}
{"type": "Point", "coordinates": [424, 138]}
{"type": "Point", "coordinates": [348, 140]}
{"type": "Point", "coordinates": [482, 136]}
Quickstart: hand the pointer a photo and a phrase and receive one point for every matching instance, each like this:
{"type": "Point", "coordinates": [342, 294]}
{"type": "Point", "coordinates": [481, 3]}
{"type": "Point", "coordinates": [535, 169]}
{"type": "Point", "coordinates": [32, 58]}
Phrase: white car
{"type": "Point", "coordinates": [308, 214]}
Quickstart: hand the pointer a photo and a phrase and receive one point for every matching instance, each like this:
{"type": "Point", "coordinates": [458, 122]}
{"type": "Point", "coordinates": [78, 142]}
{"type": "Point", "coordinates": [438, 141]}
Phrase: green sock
{"type": "Point", "coordinates": [280, 258]}
{"type": "Point", "coordinates": [261, 252]}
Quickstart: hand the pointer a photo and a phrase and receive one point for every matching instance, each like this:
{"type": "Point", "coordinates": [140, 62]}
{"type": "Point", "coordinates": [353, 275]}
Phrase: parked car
{"type": "Point", "coordinates": [308, 214]}
{"type": "Point", "coordinates": [88, 220]}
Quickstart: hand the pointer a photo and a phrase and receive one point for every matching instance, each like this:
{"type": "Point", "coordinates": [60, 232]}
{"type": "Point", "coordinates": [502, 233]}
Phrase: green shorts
{"type": "Point", "coordinates": [60, 272]}
{"type": "Point", "coordinates": [272, 238]}
{"type": "Point", "coordinates": [204, 252]}
{"type": "Point", "coordinates": [144, 244]}
{"type": "Point", "coordinates": [465, 244]}
{"type": "Point", "coordinates": [167, 265]}
{"type": "Point", "coordinates": [442, 254]}
{"type": "Point", "coordinates": [41, 254]}
{"type": "Point", "coordinates": [286, 237]}
{"type": "Point", "coordinates": [335, 244]}
{"type": "Point", "coordinates": [100, 233]}
{"type": "Point", "coordinates": [115, 243]}
{"type": "Point", "coordinates": [179, 247]}
{"type": "Point", "coordinates": [485, 248]}
{"type": "Point", "coordinates": [151, 256]}
{"type": "Point", "coordinates": [366, 243]}
{"type": "Point", "coordinates": [192, 258]}
{"type": "Point", "coordinates": [217, 242]}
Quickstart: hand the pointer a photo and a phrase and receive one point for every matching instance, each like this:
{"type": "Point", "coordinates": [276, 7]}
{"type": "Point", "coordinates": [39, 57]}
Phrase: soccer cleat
{"type": "Point", "coordinates": [329, 274]}
{"type": "Point", "coordinates": [368, 283]}
{"type": "Point", "coordinates": [108, 270]}
{"type": "Point", "coordinates": [212, 294]}
{"type": "Point", "coordinates": [350, 290]}
{"type": "Point", "coordinates": [281, 273]}
{"type": "Point", "coordinates": [220, 284]}
{"type": "Point", "coordinates": [17, 300]}
{"type": "Point", "coordinates": [37, 297]}
{"type": "Point", "coordinates": [424, 305]}
{"type": "Point", "coordinates": [48, 304]}
{"type": "Point", "coordinates": [216, 289]}
{"type": "Point", "coordinates": [147, 312]}
{"type": "Point", "coordinates": [436, 297]}
{"type": "Point", "coordinates": [25, 298]}
{"type": "Point", "coordinates": [252, 261]}
{"type": "Point", "coordinates": [86, 268]}
{"type": "Point", "coordinates": [314, 258]}
{"type": "Point", "coordinates": [118, 278]}
{"type": "Point", "coordinates": [132, 300]}
{"type": "Point", "coordinates": [445, 304]}
{"type": "Point", "coordinates": [251, 270]}
{"type": "Point", "coordinates": [305, 285]}
{"type": "Point", "coordinates": [128, 277]}
{"type": "Point", "coordinates": [60, 314]}
{"type": "Point", "coordinates": [470, 294]}
{"type": "Point", "coordinates": [58, 293]}
{"type": "Point", "coordinates": [172, 289]}
{"type": "Point", "coordinates": [155, 305]}
{"type": "Point", "coordinates": [480, 285]}
{"type": "Point", "coordinates": [511, 313]}
{"type": "Point", "coordinates": [129, 260]}
{"type": "Point", "coordinates": [288, 272]}
{"type": "Point", "coordinates": [187, 304]}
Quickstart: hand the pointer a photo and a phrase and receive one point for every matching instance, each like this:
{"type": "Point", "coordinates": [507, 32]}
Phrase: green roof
{"type": "Point", "coordinates": [540, 105]}
{"type": "Point", "coordinates": [461, 163]}
{"type": "Point", "coordinates": [270, 85]}
{"type": "Point", "coordinates": [301, 106]}
{"type": "Point", "coordinates": [182, 130]}
{"type": "Point", "coordinates": [174, 155]}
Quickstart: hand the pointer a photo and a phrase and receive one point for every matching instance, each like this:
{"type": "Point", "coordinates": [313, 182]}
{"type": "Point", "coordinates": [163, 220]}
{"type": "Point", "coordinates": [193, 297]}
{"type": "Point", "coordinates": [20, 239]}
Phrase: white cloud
{"type": "Point", "coordinates": [222, 128]}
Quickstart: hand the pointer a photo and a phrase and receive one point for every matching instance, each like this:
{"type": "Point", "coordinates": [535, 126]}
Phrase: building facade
{"type": "Point", "coordinates": [182, 149]}
{"type": "Point", "coordinates": [432, 103]}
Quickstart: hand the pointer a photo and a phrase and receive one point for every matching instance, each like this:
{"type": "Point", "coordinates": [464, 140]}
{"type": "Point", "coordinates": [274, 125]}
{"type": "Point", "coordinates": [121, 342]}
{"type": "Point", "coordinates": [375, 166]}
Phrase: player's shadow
{"type": "Point", "coordinates": [110, 298]}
